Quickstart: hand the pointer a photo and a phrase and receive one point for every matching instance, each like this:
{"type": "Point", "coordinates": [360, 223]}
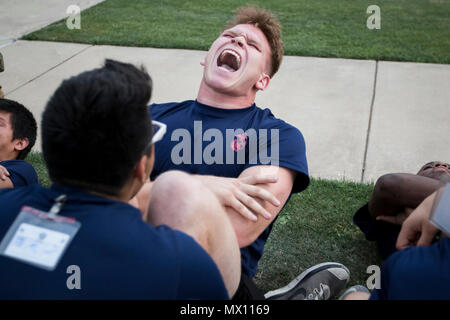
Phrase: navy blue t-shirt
{"type": "Point", "coordinates": [416, 273]}
{"type": "Point", "coordinates": [201, 139]}
{"type": "Point", "coordinates": [119, 255]}
{"type": "Point", "coordinates": [21, 172]}
{"type": "Point", "coordinates": [383, 233]}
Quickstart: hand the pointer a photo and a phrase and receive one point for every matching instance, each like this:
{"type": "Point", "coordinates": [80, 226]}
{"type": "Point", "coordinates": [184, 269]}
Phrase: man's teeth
{"type": "Point", "coordinates": [233, 53]}
{"type": "Point", "coordinates": [238, 58]}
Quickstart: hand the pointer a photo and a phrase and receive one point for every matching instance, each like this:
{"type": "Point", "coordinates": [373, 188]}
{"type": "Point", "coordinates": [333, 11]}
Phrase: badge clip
{"type": "Point", "coordinates": [56, 208]}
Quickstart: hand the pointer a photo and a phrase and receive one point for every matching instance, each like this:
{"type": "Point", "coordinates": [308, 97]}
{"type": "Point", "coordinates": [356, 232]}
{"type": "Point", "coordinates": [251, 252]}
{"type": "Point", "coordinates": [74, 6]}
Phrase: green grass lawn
{"type": "Point", "coordinates": [315, 226]}
{"type": "Point", "coordinates": [38, 163]}
{"type": "Point", "coordinates": [411, 30]}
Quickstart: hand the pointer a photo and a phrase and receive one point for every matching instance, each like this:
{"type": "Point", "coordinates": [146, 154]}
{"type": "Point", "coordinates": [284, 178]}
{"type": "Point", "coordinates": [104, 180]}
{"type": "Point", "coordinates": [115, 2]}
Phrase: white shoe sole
{"type": "Point", "coordinates": [313, 269]}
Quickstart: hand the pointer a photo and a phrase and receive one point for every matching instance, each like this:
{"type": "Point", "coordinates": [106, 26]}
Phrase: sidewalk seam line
{"type": "Point", "coordinates": [369, 126]}
{"type": "Point", "coordinates": [45, 72]}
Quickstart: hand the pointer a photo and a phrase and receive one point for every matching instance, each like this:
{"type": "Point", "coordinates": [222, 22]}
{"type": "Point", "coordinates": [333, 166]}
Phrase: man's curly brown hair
{"type": "Point", "coordinates": [268, 24]}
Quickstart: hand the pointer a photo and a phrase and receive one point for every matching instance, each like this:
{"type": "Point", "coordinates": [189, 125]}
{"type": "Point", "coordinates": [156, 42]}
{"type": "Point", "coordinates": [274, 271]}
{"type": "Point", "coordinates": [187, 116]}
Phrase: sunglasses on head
{"type": "Point", "coordinates": [159, 129]}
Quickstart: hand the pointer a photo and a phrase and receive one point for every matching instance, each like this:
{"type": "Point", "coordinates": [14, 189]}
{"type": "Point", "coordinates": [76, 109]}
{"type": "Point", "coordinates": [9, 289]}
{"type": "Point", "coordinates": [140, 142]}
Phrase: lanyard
{"type": "Point", "coordinates": [56, 208]}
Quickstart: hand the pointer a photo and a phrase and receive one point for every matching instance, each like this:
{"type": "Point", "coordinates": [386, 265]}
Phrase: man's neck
{"type": "Point", "coordinates": [211, 97]}
{"type": "Point", "coordinates": [6, 157]}
{"type": "Point", "coordinates": [13, 155]}
{"type": "Point", "coordinates": [107, 196]}
{"type": "Point", "coordinates": [124, 195]}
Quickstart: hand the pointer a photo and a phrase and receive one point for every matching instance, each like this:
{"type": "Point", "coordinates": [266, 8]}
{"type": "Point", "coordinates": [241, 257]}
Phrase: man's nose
{"type": "Point", "coordinates": [441, 164]}
{"type": "Point", "coordinates": [239, 41]}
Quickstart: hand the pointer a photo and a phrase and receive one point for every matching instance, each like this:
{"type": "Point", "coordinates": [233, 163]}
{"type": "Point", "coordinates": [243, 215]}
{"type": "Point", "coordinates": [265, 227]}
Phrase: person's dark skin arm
{"type": "Point", "coordinates": [396, 192]}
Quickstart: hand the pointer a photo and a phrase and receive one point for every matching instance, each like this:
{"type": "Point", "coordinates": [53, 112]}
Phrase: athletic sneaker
{"type": "Point", "coordinates": [357, 288]}
{"type": "Point", "coordinates": [320, 282]}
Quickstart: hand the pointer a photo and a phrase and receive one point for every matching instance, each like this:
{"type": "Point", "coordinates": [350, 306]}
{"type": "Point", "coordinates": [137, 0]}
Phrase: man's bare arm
{"type": "Point", "coordinates": [247, 230]}
{"type": "Point", "coordinates": [240, 193]}
{"type": "Point", "coordinates": [252, 201]}
{"type": "Point", "coordinates": [237, 193]}
{"type": "Point", "coordinates": [395, 192]}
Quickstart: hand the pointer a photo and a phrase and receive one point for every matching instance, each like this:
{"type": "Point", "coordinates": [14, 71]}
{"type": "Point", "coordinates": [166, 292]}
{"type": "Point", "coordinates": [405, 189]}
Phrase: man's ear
{"type": "Point", "coordinates": [20, 144]}
{"type": "Point", "coordinates": [144, 166]}
{"type": "Point", "coordinates": [150, 161]}
{"type": "Point", "coordinates": [140, 171]}
{"type": "Point", "coordinates": [263, 82]}
{"type": "Point", "coordinates": [203, 62]}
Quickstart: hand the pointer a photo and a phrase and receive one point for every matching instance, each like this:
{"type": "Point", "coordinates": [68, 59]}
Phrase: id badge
{"type": "Point", "coordinates": [39, 238]}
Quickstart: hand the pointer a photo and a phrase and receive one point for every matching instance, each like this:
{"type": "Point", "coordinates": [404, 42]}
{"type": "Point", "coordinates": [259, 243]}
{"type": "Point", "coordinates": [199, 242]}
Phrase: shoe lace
{"type": "Point", "coordinates": [321, 293]}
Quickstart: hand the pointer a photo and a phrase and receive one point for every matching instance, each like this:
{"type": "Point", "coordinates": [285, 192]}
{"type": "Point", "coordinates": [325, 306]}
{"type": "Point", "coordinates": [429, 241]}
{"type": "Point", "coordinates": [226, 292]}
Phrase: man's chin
{"type": "Point", "coordinates": [218, 75]}
{"type": "Point", "coordinates": [219, 84]}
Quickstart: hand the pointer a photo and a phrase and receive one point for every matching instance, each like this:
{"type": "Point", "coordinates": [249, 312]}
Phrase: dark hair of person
{"type": "Point", "coordinates": [23, 124]}
{"type": "Point", "coordinates": [97, 126]}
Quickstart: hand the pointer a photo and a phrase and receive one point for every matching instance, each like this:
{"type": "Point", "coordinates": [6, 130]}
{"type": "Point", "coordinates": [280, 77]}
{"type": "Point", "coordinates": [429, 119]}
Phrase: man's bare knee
{"type": "Point", "coordinates": [178, 185]}
{"type": "Point", "coordinates": [176, 195]}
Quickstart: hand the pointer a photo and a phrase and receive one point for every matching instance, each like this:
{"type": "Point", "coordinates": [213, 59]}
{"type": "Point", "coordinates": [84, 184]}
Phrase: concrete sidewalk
{"type": "Point", "coordinates": [360, 118]}
{"type": "Point", "coordinates": [20, 17]}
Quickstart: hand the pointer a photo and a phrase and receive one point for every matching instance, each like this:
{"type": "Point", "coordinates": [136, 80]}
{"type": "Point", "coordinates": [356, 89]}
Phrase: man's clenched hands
{"type": "Point", "coordinates": [241, 193]}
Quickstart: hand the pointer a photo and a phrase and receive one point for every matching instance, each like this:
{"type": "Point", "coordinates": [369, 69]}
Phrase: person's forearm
{"type": "Point", "coordinates": [246, 230]}
{"type": "Point", "coordinates": [206, 178]}
{"type": "Point", "coordinates": [395, 192]}
{"type": "Point", "coordinates": [251, 201]}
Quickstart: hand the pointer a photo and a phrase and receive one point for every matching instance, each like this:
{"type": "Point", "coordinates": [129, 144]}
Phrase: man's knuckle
{"type": "Point", "coordinates": [253, 203]}
{"type": "Point", "coordinates": [237, 184]}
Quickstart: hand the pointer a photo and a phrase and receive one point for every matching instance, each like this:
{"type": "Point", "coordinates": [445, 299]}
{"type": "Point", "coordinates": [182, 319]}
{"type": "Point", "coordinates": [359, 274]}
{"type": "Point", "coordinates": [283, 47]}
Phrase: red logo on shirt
{"type": "Point", "coordinates": [239, 142]}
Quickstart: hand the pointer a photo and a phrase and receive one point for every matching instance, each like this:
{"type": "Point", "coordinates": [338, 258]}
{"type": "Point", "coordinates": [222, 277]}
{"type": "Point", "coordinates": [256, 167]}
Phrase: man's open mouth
{"type": "Point", "coordinates": [230, 60]}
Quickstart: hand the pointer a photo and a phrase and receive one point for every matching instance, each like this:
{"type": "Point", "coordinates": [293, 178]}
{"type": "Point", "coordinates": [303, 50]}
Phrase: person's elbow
{"type": "Point", "coordinates": [386, 184]}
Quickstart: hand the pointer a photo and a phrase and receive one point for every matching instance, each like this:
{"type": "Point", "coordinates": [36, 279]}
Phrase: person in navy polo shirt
{"type": "Point", "coordinates": [393, 198]}
{"type": "Point", "coordinates": [17, 137]}
{"type": "Point", "coordinates": [89, 243]}
{"type": "Point", "coordinates": [420, 269]}
{"type": "Point", "coordinates": [250, 159]}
